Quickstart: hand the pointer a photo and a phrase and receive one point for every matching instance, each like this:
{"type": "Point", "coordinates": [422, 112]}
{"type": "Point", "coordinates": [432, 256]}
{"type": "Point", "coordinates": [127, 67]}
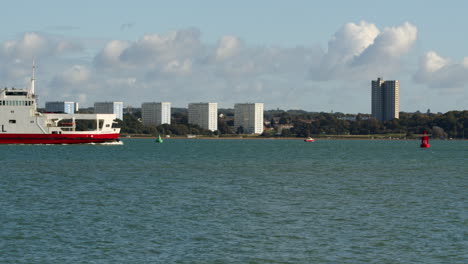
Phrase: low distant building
{"type": "Point", "coordinates": [115, 108]}
{"type": "Point", "coordinates": [61, 107]}
{"type": "Point", "coordinates": [155, 114]}
{"type": "Point", "coordinates": [249, 117]}
{"type": "Point", "coordinates": [347, 118]}
{"type": "Point", "coordinates": [284, 126]}
{"type": "Point", "coordinates": [204, 114]}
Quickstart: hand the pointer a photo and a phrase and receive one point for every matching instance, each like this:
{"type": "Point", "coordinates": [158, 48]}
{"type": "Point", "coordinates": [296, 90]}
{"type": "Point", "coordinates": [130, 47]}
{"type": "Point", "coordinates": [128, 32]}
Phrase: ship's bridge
{"type": "Point", "coordinates": [16, 97]}
{"type": "Point", "coordinates": [6, 93]}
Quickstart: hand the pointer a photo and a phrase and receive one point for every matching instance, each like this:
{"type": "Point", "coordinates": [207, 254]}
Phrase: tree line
{"type": "Point", "coordinates": [298, 123]}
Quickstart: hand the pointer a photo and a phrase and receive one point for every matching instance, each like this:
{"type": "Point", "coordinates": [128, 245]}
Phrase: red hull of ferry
{"type": "Point", "coordinates": [57, 138]}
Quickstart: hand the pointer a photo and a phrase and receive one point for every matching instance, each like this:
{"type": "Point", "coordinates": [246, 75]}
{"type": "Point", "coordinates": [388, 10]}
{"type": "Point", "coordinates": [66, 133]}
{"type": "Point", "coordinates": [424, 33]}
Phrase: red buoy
{"type": "Point", "coordinates": [425, 141]}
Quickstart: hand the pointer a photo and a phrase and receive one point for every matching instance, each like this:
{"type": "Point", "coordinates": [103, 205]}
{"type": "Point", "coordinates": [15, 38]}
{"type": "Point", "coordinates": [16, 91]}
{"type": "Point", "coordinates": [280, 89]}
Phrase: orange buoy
{"type": "Point", "coordinates": [425, 141]}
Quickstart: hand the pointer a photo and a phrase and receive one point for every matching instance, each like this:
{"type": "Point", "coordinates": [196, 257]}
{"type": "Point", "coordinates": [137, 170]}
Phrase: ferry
{"type": "Point", "coordinates": [21, 123]}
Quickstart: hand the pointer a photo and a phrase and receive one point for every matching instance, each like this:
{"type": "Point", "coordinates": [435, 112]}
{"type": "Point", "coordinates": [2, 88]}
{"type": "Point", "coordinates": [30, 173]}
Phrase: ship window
{"type": "Point", "coordinates": [107, 125]}
{"type": "Point", "coordinates": [12, 121]}
{"type": "Point", "coordinates": [16, 93]}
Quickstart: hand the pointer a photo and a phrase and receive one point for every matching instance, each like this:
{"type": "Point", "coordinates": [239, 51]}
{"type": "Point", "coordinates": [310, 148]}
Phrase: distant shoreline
{"type": "Point", "coordinates": [282, 138]}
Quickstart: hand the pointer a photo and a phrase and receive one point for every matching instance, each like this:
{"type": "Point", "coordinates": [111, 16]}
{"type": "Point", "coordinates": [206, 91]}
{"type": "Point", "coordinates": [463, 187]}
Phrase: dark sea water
{"type": "Point", "coordinates": [235, 201]}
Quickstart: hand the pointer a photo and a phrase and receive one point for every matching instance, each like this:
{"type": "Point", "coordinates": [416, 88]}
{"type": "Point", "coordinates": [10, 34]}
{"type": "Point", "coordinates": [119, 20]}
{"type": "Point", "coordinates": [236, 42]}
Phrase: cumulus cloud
{"type": "Point", "coordinates": [391, 44]}
{"type": "Point", "coordinates": [34, 45]}
{"type": "Point", "coordinates": [110, 54]}
{"type": "Point", "coordinates": [178, 66]}
{"type": "Point", "coordinates": [17, 55]}
{"type": "Point", "coordinates": [75, 75]}
{"type": "Point", "coordinates": [228, 46]}
{"type": "Point", "coordinates": [355, 51]}
{"type": "Point", "coordinates": [465, 62]}
{"type": "Point", "coordinates": [348, 43]}
{"type": "Point", "coordinates": [363, 51]}
{"type": "Point", "coordinates": [439, 72]}
{"type": "Point", "coordinates": [154, 49]}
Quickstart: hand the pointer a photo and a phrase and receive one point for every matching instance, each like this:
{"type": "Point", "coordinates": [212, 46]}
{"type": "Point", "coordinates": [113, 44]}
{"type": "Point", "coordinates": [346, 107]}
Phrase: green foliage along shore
{"type": "Point", "coordinates": [297, 123]}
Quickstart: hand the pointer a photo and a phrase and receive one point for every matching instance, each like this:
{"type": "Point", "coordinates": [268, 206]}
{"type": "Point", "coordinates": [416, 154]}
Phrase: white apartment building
{"type": "Point", "coordinates": [204, 114]}
{"type": "Point", "coordinates": [249, 116]}
{"type": "Point", "coordinates": [61, 107]}
{"type": "Point", "coordinates": [155, 114]}
{"type": "Point", "coordinates": [115, 108]}
{"type": "Point", "coordinates": [385, 99]}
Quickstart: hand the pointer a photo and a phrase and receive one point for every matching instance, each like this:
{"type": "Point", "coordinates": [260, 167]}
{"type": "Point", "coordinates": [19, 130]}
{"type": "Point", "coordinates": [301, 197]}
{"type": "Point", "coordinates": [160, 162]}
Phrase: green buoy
{"type": "Point", "coordinates": [159, 139]}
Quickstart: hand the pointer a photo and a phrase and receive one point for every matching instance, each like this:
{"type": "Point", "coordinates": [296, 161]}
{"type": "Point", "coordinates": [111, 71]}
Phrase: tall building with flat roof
{"type": "Point", "coordinates": [155, 114]}
{"type": "Point", "coordinates": [115, 108]}
{"type": "Point", "coordinates": [249, 116]}
{"type": "Point", "coordinates": [385, 99]}
{"type": "Point", "coordinates": [61, 107]}
{"type": "Point", "coordinates": [204, 114]}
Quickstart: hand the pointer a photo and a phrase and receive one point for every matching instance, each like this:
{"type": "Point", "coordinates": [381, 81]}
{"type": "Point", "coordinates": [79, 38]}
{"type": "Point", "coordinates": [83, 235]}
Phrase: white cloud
{"type": "Point", "coordinates": [179, 67]}
{"type": "Point", "coordinates": [361, 51]}
{"type": "Point", "coordinates": [349, 42]}
{"type": "Point", "coordinates": [75, 75]}
{"type": "Point", "coordinates": [439, 72]}
{"type": "Point", "coordinates": [228, 46]}
{"type": "Point", "coordinates": [110, 54]}
{"type": "Point", "coordinates": [465, 62]}
{"type": "Point", "coordinates": [391, 44]}
{"type": "Point", "coordinates": [33, 45]}
{"type": "Point", "coordinates": [158, 49]}
{"type": "Point", "coordinates": [432, 62]}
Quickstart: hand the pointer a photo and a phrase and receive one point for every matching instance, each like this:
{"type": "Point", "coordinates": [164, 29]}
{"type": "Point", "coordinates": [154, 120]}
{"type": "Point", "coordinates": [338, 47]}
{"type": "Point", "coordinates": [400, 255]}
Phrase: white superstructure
{"type": "Point", "coordinates": [249, 116]}
{"type": "Point", "coordinates": [155, 114]}
{"type": "Point", "coordinates": [204, 114]}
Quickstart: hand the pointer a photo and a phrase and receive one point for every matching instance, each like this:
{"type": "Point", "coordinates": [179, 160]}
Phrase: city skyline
{"type": "Point", "coordinates": [311, 56]}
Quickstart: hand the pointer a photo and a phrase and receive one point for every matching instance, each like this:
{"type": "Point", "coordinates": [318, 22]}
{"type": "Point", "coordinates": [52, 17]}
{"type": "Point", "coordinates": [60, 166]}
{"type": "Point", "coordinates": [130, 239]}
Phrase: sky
{"type": "Point", "coordinates": [303, 54]}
